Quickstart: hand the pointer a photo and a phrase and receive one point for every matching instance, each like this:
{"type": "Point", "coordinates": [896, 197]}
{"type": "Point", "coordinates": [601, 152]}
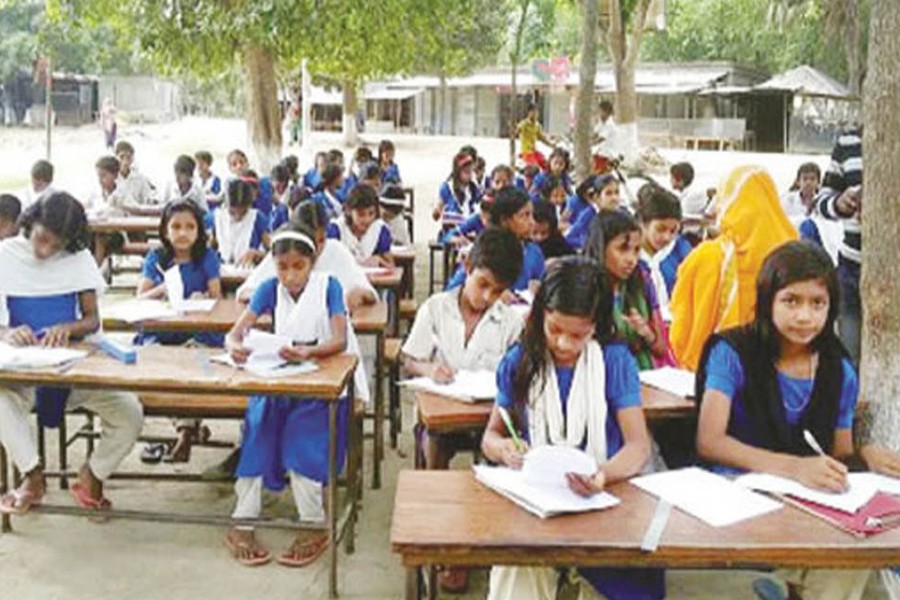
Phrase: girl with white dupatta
{"type": "Point", "coordinates": [363, 232]}
{"type": "Point", "coordinates": [240, 232]}
{"type": "Point", "coordinates": [565, 383]}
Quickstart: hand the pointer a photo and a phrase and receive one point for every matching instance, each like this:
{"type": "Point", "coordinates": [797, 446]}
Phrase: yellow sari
{"type": "Point", "coordinates": [716, 284]}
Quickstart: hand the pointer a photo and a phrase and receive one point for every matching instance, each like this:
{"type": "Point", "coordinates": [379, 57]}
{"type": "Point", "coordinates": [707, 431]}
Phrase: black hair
{"type": "Point", "coordinates": [606, 226]}
{"type": "Point", "coordinates": [334, 156]}
{"type": "Point", "coordinates": [545, 212]}
{"type": "Point", "coordinates": [510, 174]}
{"type": "Point", "coordinates": [331, 174]}
{"type": "Point", "coordinates": [479, 164]}
{"type": "Point", "coordinates": [807, 167]}
{"type": "Point", "coordinates": [683, 172]}
{"type": "Point", "coordinates": [10, 208]}
{"type": "Point", "coordinates": [500, 252]}
{"type": "Point", "coordinates": [507, 203]}
{"type": "Point", "coordinates": [392, 192]}
{"type": "Point", "coordinates": [63, 216]}
{"type": "Point", "coordinates": [110, 164]}
{"type": "Point", "coordinates": [313, 215]}
{"type": "Point", "coordinates": [185, 165]}
{"type": "Point", "coordinates": [292, 164]}
{"type": "Point", "coordinates": [586, 188]}
{"type": "Point", "coordinates": [791, 263]}
{"type": "Point", "coordinates": [656, 202]}
{"type": "Point", "coordinates": [572, 285]}
{"type": "Point", "coordinates": [362, 196]}
{"type": "Point", "coordinates": [238, 152]}
{"type": "Point", "coordinates": [531, 171]}
{"type": "Point", "coordinates": [607, 106]}
{"type": "Point", "coordinates": [42, 170]}
{"type": "Point", "coordinates": [563, 154]}
{"type": "Point", "coordinates": [469, 150]}
{"type": "Point", "coordinates": [550, 183]}
{"type": "Point", "coordinates": [462, 160]}
{"type": "Point", "coordinates": [385, 146]}
{"type": "Point", "coordinates": [124, 146]}
{"type": "Point", "coordinates": [531, 106]}
{"type": "Point", "coordinates": [288, 245]}
{"type": "Point", "coordinates": [363, 154]}
{"type": "Point", "coordinates": [280, 173]}
{"type": "Point", "coordinates": [369, 170]}
{"type": "Point", "coordinates": [203, 156]}
{"type": "Point", "coordinates": [297, 195]}
{"type": "Point", "coordinates": [240, 193]}
{"type": "Point", "coordinates": [198, 249]}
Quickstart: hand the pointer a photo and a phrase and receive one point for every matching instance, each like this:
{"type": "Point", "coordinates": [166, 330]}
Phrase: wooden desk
{"type": "Point", "coordinates": [124, 225]}
{"type": "Point", "coordinates": [169, 369]}
{"type": "Point", "coordinates": [405, 258]}
{"type": "Point", "coordinates": [389, 280]}
{"type": "Point", "coordinates": [447, 518]}
{"type": "Point", "coordinates": [233, 278]}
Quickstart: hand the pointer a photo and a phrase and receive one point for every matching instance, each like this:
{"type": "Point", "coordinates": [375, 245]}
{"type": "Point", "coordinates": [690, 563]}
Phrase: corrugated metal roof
{"type": "Point", "coordinates": [807, 81]}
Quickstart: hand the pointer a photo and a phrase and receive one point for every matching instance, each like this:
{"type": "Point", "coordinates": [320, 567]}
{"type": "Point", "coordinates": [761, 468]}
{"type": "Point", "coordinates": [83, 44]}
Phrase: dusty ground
{"type": "Point", "coordinates": [68, 558]}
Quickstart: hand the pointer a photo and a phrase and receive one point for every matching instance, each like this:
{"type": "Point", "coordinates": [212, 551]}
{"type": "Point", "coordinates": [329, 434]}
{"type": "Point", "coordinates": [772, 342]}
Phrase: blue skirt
{"type": "Point", "coordinates": [284, 434]}
{"type": "Point", "coordinates": [627, 584]}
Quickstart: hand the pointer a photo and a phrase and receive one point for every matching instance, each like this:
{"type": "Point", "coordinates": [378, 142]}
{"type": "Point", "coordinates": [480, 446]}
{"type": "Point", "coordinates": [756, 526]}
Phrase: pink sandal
{"type": "Point", "coordinates": [18, 502]}
{"type": "Point", "coordinates": [85, 500]}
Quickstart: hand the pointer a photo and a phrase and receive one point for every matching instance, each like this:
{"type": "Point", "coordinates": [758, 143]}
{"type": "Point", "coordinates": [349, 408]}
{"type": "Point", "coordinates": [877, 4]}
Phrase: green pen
{"type": "Point", "coordinates": [507, 420]}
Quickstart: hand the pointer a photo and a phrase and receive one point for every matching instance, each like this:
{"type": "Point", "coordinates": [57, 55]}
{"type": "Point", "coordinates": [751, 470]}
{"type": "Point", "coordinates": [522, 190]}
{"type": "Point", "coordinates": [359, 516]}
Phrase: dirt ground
{"type": "Point", "coordinates": [54, 557]}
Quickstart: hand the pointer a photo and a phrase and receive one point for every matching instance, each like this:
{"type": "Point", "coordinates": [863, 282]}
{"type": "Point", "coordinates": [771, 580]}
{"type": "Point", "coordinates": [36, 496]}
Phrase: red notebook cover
{"type": "Point", "coordinates": [882, 506]}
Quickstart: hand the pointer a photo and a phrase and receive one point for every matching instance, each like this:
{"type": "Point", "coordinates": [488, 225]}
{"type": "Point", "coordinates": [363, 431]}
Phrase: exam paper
{"type": "Point", "coordinates": [137, 310]}
{"type": "Point", "coordinates": [546, 466]}
{"type": "Point", "coordinates": [861, 490]}
{"type": "Point", "coordinates": [468, 386]}
{"type": "Point", "coordinates": [268, 368]}
{"type": "Point", "coordinates": [670, 379]}
{"type": "Point", "coordinates": [709, 497]}
{"type": "Point", "coordinates": [36, 357]}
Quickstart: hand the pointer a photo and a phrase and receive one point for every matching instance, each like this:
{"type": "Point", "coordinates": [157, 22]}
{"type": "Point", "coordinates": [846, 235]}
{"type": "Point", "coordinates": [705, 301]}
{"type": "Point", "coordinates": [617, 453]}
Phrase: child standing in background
{"type": "Point", "coordinates": [239, 232]}
{"type": "Point", "coordinates": [362, 231]}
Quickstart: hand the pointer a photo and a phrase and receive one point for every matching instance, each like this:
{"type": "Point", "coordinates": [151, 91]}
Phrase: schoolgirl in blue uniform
{"type": "Point", "coordinates": [282, 188]}
{"type": "Point", "coordinates": [312, 179]}
{"type": "Point", "coordinates": [286, 436]}
{"type": "Point", "coordinates": [329, 190]}
{"type": "Point", "coordinates": [602, 194]}
{"type": "Point", "coordinates": [363, 232]}
{"type": "Point", "coordinates": [239, 232]}
{"type": "Point", "coordinates": [458, 195]}
{"type": "Point", "coordinates": [566, 383]}
{"type": "Point", "coordinates": [390, 172]}
{"type": "Point", "coordinates": [49, 283]}
{"type": "Point", "coordinates": [559, 164]}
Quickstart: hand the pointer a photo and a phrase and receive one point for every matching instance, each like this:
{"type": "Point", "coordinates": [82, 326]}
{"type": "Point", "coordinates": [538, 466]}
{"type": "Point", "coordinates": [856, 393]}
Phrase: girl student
{"type": "Point", "coordinates": [362, 230]}
{"type": "Point", "coordinates": [312, 179]}
{"type": "Point", "coordinates": [459, 195]}
{"type": "Point", "coordinates": [554, 190]}
{"type": "Point", "coordinates": [546, 232]}
{"type": "Point", "coordinates": [568, 383]}
{"type": "Point", "coordinates": [328, 194]}
{"type": "Point", "coordinates": [601, 194]}
{"type": "Point", "coordinates": [390, 172]}
{"type": "Point", "coordinates": [762, 385]}
{"type": "Point", "coordinates": [282, 188]}
{"type": "Point", "coordinates": [240, 232]}
{"type": "Point", "coordinates": [558, 165]}
{"type": "Point", "coordinates": [284, 436]}
{"type": "Point", "coordinates": [614, 242]}
{"type": "Point", "coordinates": [663, 248]}
{"type": "Point", "coordinates": [462, 234]}
{"type": "Point", "coordinates": [49, 284]}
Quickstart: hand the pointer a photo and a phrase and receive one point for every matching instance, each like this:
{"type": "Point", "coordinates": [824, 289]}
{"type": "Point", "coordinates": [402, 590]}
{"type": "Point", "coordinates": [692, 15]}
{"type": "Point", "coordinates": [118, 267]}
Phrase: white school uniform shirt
{"type": "Point", "coordinates": [106, 204]}
{"type": "Point", "coordinates": [206, 186]}
{"type": "Point", "coordinates": [335, 260]}
{"type": "Point", "coordinates": [440, 320]}
{"type": "Point", "coordinates": [336, 206]}
{"type": "Point", "coordinates": [306, 320]}
{"type": "Point", "coordinates": [29, 196]}
{"type": "Point", "coordinates": [195, 193]}
{"type": "Point", "coordinates": [233, 237]}
{"type": "Point", "coordinates": [136, 188]}
{"type": "Point", "coordinates": [656, 276]}
{"type": "Point", "coordinates": [793, 206]}
{"type": "Point", "coordinates": [693, 201]}
{"type": "Point", "coordinates": [606, 130]}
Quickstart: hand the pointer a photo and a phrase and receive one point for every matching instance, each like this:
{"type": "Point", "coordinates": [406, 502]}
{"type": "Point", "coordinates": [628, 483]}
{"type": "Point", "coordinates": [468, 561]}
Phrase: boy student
{"type": "Point", "coordinates": [10, 209]}
{"type": "Point", "coordinates": [183, 187]}
{"type": "Point", "coordinates": [41, 180]}
{"type": "Point", "coordinates": [393, 201]}
{"type": "Point", "coordinates": [209, 182]}
{"type": "Point", "coordinates": [134, 186]}
{"type": "Point", "coordinates": [466, 328]}
{"type": "Point", "coordinates": [605, 130]}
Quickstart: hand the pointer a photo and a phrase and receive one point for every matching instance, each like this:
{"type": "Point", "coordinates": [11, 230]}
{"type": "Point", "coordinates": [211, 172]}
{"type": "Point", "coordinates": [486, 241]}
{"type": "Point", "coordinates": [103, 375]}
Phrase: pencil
{"type": "Point", "coordinates": [507, 420]}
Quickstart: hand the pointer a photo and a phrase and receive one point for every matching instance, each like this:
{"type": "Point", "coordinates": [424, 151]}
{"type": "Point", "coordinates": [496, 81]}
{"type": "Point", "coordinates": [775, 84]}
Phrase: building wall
{"type": "Point", "coordinates": [465, 112]}
{"type": "Point", "coordinates": [487, 112]}
{"type": "Point", "coordinates": [556, 111]}
{"type": "Point", "coordinates": [142, 98]}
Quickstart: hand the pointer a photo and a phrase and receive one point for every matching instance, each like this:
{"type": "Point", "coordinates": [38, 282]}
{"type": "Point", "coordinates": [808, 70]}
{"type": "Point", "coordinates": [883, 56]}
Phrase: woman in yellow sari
{"type": "Point", "coordinates": [716, 284]}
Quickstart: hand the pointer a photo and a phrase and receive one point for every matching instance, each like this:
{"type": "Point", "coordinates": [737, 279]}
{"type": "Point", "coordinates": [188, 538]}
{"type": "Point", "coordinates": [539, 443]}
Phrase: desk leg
{"type": "Point", "coordinates": [378, 429]}
{"type": "Point", "coordinates": [4, 487]}
{"type": "Point", "coordinates": [432, 582]}
{"type": "Point", "coordinates": [413, 583]}
{"type": "Point", "coordinates": [353, 471]}
{"type": "Point", "coordinates": [332, 499]}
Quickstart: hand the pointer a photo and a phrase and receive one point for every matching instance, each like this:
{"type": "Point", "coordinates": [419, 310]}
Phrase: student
{"type": "Point", "coordinates": [663, 249]}
{"type": "Point", "coordinates": [529, 132]}
{"type": "Point", "coordinates": [362, 230]}
{"type": "Point", "coordinates": [49, 284]}
{"type": "Point", "coordinates": [239, 232]}
{"type": "Point", "coordinates": [514, 211]}
{"type": "Point", "coordinates": [463, 234]}
{"type": "Point", "coordinates": [136, 188]}
{"type": "Point", "coordinates": [614, 242]}
{"type": "Point", "coordinates": [479, 174]}
{"type": "Point", "coordinates": [292, 164]}
{"type": "Point", "coordinates": [312, 179]}
{"type": "Point", "coordinates": [281, 186]}
{"type": "Point", "coordinates": [10, 210]}
{"type": "Point", "coordinates": [184, 187]}
{"type": "Point", "coordinates": [546, 231]}
{"type": "Point", "coordinates": [800, 199]}
{"type": "Point", "coordinates": [209, 182]}
{"type": "Point", "coordinates": [237, 162]}
{"type": "Point", "coordinates": [762, 385]}
{"type": "Point", "coordinates": [553, 190]}
{"type": "Point", "coordinates": [336, 157]}
{"type": "Point", "coordinates": [328, 194]}
{"type": "Point", "coordinates": [390, 172]}
{"type": "Point", "coordinates": [603, 194]}
{"type": "Point", "coordinates": [458, 195]}
{"type": "Point", "coordinates": [695, 202]}
{"type": "Point", "coordinates": [501, 176]}
{"type": "Point", "coordinates": [559, 164]}
{"type": "Point", "coordinates": [107, 200]}
{"type": "Point", "coordinates": [393, 202]}
{"type": "Point", "coordinates": [566, 382]}
{"type": "Point", "coordinates": [368, 174]}
{"type": "Point", "coordinates": [605, 132]}
{"type": "Point", "coordinates": [526, 181]}
{"type": "Point", "coordinates": [716, 285]}
{"type": "Point", "coordinates": [41, 182]}
{"type": "Point", "coordinates": [282, 435]}
{"type": "Point", "coordinates": [466, 328]}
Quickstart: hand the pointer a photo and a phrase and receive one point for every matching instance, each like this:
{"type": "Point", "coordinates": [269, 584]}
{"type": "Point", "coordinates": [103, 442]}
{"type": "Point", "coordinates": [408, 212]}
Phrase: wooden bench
{"type": "Point", "coordinates": [392, 348]}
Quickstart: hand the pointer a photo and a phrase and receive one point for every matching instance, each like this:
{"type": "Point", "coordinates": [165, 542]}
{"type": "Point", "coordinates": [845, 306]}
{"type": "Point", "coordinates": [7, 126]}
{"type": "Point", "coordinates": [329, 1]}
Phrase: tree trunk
{"type": "Point", "coordinates": [514, 58]}
{"type": "Point", "coordinates": [584, 103]}
{"type": "Point", "coordinates": [262, 112]}
{"type": "Point", "coordinates": [852, 47]}
{"type": "Point", "coordinates": [880, 369]}
{"type": "Point", "coordinates": [351, 134]}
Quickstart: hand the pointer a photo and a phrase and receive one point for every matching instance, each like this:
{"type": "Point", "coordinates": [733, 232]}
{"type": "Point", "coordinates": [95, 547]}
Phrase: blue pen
{"type": "Point", "coordinates": [40, 333]}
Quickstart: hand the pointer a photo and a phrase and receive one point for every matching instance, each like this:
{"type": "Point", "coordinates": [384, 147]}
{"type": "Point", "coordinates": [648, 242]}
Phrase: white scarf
{"type": "Point", "coordinates": [233, 236]}
{"type": "Point", "coordinates": [656, 276]}
{"type": "Point", "coordinates": [334, 205]}
{"type": "Point", "coordinates": [23, 274]}
{"type": "Point", "coordinates": [360, 248]}
{"type": "Point", "coordinates": [585, 410]}
{"type": "Point", "coordinates": [307, 321]}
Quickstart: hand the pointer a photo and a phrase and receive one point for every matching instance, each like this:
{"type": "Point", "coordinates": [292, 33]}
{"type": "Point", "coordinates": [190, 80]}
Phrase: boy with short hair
{"type": "Point", "coordinates": [41, 182]}
{"type": "Point", "coordinates": [184, 187]}
{"type": "Point", "coordinates": [139, 193]}
{"type": "Point", "coordinates": [209, 181]}
{"type": "Point", "coordinates": [10, 209]}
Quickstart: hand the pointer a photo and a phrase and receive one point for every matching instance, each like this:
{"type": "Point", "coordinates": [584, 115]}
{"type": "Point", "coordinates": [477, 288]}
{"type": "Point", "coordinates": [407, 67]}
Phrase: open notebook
{"type": "Point", "coordinates": [540, 487]}
{"type": "Point", "coordinates": [36, 357]}
{"type": "Point", "coordinates": [668, 379]}
{"type": "Point", "coordinates": [863, 487]}
{"type": "Point", "coordinates": [468, 386]}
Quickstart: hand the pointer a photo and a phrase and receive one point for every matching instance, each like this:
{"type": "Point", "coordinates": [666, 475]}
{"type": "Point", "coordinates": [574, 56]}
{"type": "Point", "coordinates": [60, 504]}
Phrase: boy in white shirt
{"type": "Point", "coordinates": [184, 187]}
{"type": "Point", "coordinates": [134, 186]}
{"type": "Point", "coordinates": [41, 183]}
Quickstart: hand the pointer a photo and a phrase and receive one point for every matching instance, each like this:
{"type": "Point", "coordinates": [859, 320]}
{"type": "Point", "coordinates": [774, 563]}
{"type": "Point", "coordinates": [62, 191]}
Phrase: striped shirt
{"type": "Point", "coordinates": [845, 171]}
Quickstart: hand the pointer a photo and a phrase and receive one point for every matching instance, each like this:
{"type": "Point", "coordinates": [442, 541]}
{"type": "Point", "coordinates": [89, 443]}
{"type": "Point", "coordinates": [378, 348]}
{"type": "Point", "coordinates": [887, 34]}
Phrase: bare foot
{"type": "Point", "coordinates": [181, 451]}
{"type": "Point", "coordinates": [245, 548]}
{"type": "Point", "coordinates": [90, 483]}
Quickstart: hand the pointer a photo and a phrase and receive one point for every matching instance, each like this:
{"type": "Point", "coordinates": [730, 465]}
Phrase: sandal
{"type": "Point", "coordinates": [152, 454]}
{"type": "Point", "coordinates": [260, 555]}
{"type": "Point", "coordinates": [304, 554]}
{"type": "Point", "coordinates": [18, 502]}
{"type": "Point", "coordinates": [85, 500]}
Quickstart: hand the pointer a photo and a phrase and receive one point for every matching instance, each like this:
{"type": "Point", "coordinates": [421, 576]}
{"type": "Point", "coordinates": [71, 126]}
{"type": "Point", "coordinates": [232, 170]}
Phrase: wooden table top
{"type": "Point", "coordinates": [440, 414]}
{"type": "Point", "coordinates": [391, 278]}
{"type": "Point", "coordinates": [403, 255]}
{"type": "Point", "coordinates": [226, 311]}
{"type": "Point", "coordinates": [176, 369]}
{"type": "Point", "coordinates": [124, 225]}
{"type": "Point", "coordinates": [446, 517]}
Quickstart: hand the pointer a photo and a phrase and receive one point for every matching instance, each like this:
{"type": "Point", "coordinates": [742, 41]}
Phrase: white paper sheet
{"type": "Point", "coordinates": [137, 310]}
{"type": "Point", "coordinates": [197, 305]}
{"type": "Point", "coordinates": [174, 287]}
{"type": "Point", "coordinates": [709, 497]}
{"type": "Point", "coordinates": [269, 368]}
{"type": "Point", "coordinates": [36, 357]}
{"type": "Point", "coordinates": [468, 386]}
{"type": "Point", "coordinates": [542, 501]}
{"type": "Point", "coordinates": [546, 466]}
{"type": "Point", "coordinates": [860, 492]}
{"type": "Point", "coordinates": [670, 379]}
{"type": "Point", "coordinates": [229, 270]}
{"type": "Point", "coordinates": [882, 483]}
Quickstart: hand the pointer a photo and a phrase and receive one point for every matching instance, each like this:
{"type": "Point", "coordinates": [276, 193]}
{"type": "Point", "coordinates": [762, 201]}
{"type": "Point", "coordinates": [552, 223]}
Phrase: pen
{"type": "Point", "coordinates": [812, 443]}
{"type": "Point", "coordinates": [507, 420]}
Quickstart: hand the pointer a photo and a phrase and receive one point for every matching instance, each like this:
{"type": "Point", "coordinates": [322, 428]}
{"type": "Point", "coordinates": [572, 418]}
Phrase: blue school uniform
{"type": "Point", "coordinates": [578, 231]}
{"type": "Point", "coordinates": [336, 231]}
{"type": "Point", "coordinates": [472, 226]}
{"type": "Point", "coordinates": [265, 198]}
{"type": "Point", "coordinates": [312, 179]}
{"type": "Point", "coordinates": [533, 267]}
{"type": "Point", "coordinates": [623, 390]}
{"type": "Point", "coordinates": [334, 206]}
{"type": "Point", "coordinates": [539, 179]}
{"type": "Point", "coordinates": [390, 174]}
{"type": "Point", "coordinates": [283, 433]}
{"type": "Point", "coordinates": [280, 216]}
{"type": "Point", "coordinates": [196, 276]}
{"type": "Point", "coordinates": [349, 183]}
{"type": "Point", "coordinates": [575, 205]}
{"type": "Point", "coordinates": [459, 205]}
{"type": "Point", "coordinates": [668, 268]}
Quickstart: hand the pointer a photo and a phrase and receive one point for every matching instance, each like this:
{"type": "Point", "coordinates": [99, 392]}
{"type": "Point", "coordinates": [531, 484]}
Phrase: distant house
{"type": "Point", "coordinates": [142, 98]}
{"type": "Point", "coordinates": [74, 99]}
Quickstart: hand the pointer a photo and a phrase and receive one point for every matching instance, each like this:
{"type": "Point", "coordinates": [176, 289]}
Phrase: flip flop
{"type": "Point", "coordinates": [152, 454]}
{"type": "Point", "coordinates": [234, 547]}
{"type": "Point", "coordinates": [317, 546]}
{"type": "Point", "coordinates": [18, 502]}
{"type": "Point", "coordinates": [766, 589]}
{"type": "Point", "coordinates": [85, 500]}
